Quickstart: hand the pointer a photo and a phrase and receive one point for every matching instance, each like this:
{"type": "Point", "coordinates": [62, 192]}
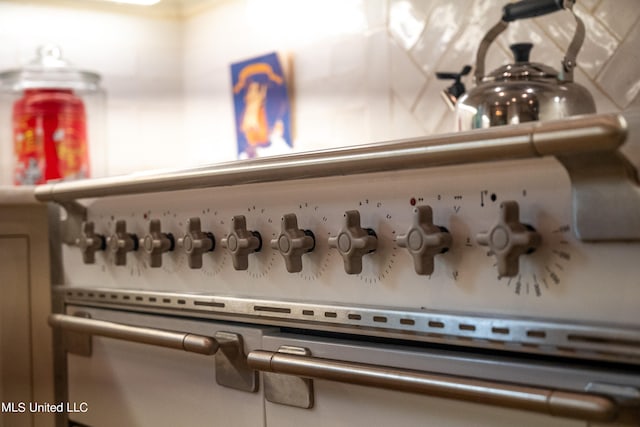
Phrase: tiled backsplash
{"type": "Point", "coordinates": [608, 64]}
{"type": "Point", "coordinates": [363, 70]}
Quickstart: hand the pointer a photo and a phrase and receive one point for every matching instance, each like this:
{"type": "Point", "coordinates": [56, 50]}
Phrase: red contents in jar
{"type": "Point", "coordinates": [50, 137]}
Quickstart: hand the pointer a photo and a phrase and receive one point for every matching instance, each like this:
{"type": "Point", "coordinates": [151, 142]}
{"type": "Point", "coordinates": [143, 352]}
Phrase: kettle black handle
{"type": "Point", "coordinates": [530, 8]}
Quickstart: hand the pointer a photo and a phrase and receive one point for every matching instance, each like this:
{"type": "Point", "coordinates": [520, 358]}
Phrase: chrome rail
{"type": "Point", "coordinates": [568, 137]}
{"type": "Point", "coordinates": [583, 406]}
{"type": "Point", "coordinates": [158, 337]}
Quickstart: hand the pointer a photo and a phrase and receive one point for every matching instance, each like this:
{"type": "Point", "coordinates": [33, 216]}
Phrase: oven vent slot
{"type": "Point", "coordinates": [271, 309]}
{"type": "Point", "coordinates": [352, 316]}
{"type": "Point", "coordinates": [380, 319]}
{"type": "Point", "coordinates": [209, 304]}
{"type": "Point", "coordinates": [409, 322]}
{"type": "Point", "coordinates": [529, 345]}
{"type": "Point", "coordinates": [466, 327]}
{"type": "Point", "coordinates": [308, 312]}
{"type": "Point", "coordinates": [536, 334]}
{"type": "Point", "coordinates": [330, 314]}
{"type": "Point", "coordinates": [501, 331]}
{"type": "Point", "coordinates": [602, 340]}
{"type": "Point", "coordinates": [435, 324]}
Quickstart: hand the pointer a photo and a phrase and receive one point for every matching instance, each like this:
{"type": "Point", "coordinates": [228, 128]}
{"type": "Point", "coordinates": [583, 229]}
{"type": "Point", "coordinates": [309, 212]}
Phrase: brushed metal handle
{"type": "Point", "coordinates": [559, 403]}
{"type": "Point", "coordinates": [169, 339]}
{"type": "Point", "coordinates": [595, 133]}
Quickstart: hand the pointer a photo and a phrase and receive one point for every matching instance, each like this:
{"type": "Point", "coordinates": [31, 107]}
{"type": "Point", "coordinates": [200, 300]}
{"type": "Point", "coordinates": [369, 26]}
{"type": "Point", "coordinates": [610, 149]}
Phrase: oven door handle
{"type": "Point", "coordinates": [169, 339]}
{"type": "Point", "coordinates": [548, 401]}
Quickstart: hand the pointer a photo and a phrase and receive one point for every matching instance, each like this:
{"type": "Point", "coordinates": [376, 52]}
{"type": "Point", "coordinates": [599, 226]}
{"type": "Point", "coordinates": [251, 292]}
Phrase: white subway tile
{"type": "Point", "coordinates": [619, 15]}
{"type": "Point", "coordinates": [431, 108]}
{"type": "Point", "coordinates": [403, 123]}
{"type": "Point", "coordinates": [378, 85]}
{"type": "Point", "coordinates": [348, 54]}
{"type": "Point", "coordinates": [160, 63]}
{"type": "Point", "coordinates": [444, 23]}
{"type": "Point", "coordinates": [604, 104]}
{"type": "Point", "coordinates": [406, 22]}
{"type": "Point", "coordinates": [375, 12]}
{"type": "Point", "coordinates": [407, 80]}
{"type": "Point", "coordinates": [8, 56]}
{"type": "Point", "coordinates": [589, 4]}
{"type": "Point", "coordinates": [350, 126]}
{"type": "Point", "coordinates": [345, 90]}
{"type": "Point", "coordinates": [620, 78]}
{"type": "Point", "coordinates": [313, 62]}
{"type": "Point", "coordinates": [599, 43]}
{"type": "Point", "coordinates": [313, 125]}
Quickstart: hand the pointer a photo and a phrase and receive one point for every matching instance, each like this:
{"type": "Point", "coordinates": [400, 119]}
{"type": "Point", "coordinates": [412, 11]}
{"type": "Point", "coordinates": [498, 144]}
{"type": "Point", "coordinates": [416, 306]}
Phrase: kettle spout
{"type": "Point", "coordinates": [451, 94]}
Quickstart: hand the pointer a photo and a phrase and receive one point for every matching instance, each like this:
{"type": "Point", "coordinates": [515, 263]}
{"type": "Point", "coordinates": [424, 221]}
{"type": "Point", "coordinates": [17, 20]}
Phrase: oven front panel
{"type": "Point", "coordinates": [564, 278]}
{"type": "Point", "coordinates": [132, 384]}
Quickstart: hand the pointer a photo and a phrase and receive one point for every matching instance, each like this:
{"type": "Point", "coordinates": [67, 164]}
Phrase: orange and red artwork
{"type": "Point", "coordinates": [262, 107]}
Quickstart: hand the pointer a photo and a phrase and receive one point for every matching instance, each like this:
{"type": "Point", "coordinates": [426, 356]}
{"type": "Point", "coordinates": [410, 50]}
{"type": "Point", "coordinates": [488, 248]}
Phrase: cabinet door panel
{"type": "Point", "coordinates": [15, 326]}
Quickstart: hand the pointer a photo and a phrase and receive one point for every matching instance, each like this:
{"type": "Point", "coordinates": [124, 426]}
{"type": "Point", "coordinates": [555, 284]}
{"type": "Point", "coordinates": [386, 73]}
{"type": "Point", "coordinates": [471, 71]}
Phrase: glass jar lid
{"type": "Point", "coordinates": [49, 70]}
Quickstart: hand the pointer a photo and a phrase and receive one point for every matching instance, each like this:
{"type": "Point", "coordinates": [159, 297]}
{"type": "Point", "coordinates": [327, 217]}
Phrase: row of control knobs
{"type": "Point", "coordinates": [507, 239]}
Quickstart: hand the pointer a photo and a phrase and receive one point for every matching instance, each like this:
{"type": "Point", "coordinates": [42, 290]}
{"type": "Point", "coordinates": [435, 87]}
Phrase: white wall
{"type": "Point", "coordinates": [363, 70]}
{"type": "Point", "coordinates": [140, 63]}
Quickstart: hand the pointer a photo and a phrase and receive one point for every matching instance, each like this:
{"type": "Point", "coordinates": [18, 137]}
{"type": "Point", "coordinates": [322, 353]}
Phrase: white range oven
{"type": "Point", "coordinates": [486, 278]}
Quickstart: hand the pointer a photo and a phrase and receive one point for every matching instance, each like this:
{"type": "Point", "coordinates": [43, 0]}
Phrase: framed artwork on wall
{"type": "Point", "coordinates": [262, 106]}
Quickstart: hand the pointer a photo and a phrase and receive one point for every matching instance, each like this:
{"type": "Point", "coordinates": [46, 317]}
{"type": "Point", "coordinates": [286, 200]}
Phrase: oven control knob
{"type": "Point", "coordinates": [241, 242]}
{"type": "Point", "coordinates": [155, 243]}
{"type": "Point", "coordinates": [90, 242]}
{"type": "Point", "coordinates": [196, 242]}
{"type": "Point", "coordinates": [509, 238]}
{"type": "Point", "coordinates": [122, 242]}
{"type": "Point", "coordinates": [293, 243]}
{"type": "Point", "coordinates": [353, 242]}
{"type": "Point", "coordinates": [424, 240]}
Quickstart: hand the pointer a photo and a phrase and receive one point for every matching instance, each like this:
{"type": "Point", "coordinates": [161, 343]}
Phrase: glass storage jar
{"type": "Point", "coordinates": [51, 121]}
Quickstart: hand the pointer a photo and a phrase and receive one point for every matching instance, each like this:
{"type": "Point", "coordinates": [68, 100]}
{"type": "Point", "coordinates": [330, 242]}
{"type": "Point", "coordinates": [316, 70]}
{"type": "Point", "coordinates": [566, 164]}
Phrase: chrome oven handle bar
{"type": "Point", "coordinates": [169, 339]}
{"type": "Point", "coordinates": [566, 404]}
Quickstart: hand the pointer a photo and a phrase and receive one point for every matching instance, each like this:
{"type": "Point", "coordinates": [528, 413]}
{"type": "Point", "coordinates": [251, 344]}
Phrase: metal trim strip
{"type": "Point", "coordinates": [550, 337]}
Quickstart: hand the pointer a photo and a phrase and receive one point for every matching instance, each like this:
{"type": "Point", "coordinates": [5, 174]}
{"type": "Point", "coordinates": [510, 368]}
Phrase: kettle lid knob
{"type": "Point", "coordinates": [521, 51]}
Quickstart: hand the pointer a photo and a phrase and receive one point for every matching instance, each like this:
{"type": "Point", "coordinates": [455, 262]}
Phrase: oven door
{"type": "Point", "coordinates": [132, 377]}
{"type": "Point", "coordinates": [347, 383]}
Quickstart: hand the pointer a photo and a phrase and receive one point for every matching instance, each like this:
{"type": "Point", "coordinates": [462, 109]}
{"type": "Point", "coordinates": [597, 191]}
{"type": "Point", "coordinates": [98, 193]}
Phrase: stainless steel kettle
{"type": "Point", "coordinates": [523, 91]}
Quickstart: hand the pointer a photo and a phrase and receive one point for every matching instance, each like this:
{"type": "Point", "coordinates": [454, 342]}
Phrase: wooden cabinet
{"type": "Point", "coordinates": [26, 358]}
